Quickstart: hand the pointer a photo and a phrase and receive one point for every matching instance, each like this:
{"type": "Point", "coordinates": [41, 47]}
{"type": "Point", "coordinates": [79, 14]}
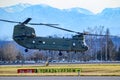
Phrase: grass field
{"type": "Point", "coordinates": [87, 70]}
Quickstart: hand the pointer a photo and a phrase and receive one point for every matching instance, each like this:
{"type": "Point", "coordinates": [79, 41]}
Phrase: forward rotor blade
{"type": "Point", "coordinates": [41, 24]}
{"type": "Point", "coordinates": [9, 21]}
{"type": "Point", "coordinates": [26, 21]}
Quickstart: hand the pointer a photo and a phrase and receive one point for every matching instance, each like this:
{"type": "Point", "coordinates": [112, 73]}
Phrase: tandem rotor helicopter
{"type": "Point", "coordinates": [26, 37]}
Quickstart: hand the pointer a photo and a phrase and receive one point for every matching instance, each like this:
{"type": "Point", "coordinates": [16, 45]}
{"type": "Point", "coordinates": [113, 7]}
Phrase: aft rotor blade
{"type": "Point", "coordinates": [94, 34]}
{"type": "Point", "coordinates": [62, 29]}
{"type": "Point", "coordinates": [52, 25]}
{"type": "Point", "coordinates": [100, 35]}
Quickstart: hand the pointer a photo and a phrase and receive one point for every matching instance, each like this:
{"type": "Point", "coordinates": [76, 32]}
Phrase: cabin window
{"type": "Point", "coordinates": [53, 42]}
{"type": "Point", "coordinates": [74, 44]}
{"type": "Point", "coordinates": [43, 42]}
{"type": "Point", "coordinates": [33, 41]}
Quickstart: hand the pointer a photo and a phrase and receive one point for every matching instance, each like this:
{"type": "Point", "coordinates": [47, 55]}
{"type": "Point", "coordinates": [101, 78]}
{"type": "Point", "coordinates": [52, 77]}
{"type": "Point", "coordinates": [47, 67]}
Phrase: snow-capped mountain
{"type": "Point", "coordinates": [79, 11]}
{"type": "Point", "coordinates": [77, 19]}
{"type": "Point", "coordinates": [16, 8]}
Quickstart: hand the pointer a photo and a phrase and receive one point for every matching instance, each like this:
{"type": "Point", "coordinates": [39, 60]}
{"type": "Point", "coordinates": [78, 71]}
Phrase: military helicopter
{"type": "Point", "coordinates": [26, 37]}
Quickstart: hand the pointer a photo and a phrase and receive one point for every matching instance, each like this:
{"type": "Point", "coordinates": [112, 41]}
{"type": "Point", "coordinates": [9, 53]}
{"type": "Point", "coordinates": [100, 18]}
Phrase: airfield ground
{"type": "Point", "coordinates": [86, 70]}
{"type": "Point", "coordinates": [63, 78]}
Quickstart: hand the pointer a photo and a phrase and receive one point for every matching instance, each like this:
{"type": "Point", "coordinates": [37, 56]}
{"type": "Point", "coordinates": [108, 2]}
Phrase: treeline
{"type": "Point", "coordinates": [12, 53]}
{"type": "Point", "coordinates": [9, 52]}
{"type": "Point", "coordinates": [103, 48]}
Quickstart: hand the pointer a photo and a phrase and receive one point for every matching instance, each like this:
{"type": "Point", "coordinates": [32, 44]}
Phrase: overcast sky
{"type": "Point", "coordinates": [92, 5]}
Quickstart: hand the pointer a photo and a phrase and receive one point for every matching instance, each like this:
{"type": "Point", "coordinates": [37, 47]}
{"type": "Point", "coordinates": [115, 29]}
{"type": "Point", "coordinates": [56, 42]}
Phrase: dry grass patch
{"type": "Point", "coordinates": [87, 70]}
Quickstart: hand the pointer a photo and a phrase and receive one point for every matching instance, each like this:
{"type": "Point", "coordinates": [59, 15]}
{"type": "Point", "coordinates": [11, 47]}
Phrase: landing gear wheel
{"type": "Point", "coordinates": [60, 53]}
{"type": "Point", "coordinates": [26, 50]}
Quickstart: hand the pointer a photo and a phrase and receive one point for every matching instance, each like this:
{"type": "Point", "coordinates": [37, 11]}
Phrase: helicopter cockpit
{"type": "Point", "coordinates": [23, 31]}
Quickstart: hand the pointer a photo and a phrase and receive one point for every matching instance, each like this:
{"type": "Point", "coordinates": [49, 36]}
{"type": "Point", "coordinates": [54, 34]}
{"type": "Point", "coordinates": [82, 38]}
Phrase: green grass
{"type": "Point", "coordinates": [87, 70]}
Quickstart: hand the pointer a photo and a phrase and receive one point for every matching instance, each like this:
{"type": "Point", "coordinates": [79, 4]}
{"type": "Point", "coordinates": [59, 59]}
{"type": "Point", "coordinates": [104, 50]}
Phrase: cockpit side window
{"type": "Point", "coordinates": [29, 32]}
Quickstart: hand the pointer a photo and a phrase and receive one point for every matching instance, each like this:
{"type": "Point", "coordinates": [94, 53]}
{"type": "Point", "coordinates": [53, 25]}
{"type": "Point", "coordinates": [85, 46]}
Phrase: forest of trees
{"type": "Point", "coordinates": [101, 48]}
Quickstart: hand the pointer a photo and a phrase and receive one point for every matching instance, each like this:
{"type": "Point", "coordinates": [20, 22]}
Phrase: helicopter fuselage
{"type": "Point", "coordinates": [25, 36]}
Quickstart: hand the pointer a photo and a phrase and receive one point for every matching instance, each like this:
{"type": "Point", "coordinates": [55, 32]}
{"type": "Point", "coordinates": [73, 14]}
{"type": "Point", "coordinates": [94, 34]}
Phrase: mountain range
{"type": "Point", "coordinates": [77, 19]}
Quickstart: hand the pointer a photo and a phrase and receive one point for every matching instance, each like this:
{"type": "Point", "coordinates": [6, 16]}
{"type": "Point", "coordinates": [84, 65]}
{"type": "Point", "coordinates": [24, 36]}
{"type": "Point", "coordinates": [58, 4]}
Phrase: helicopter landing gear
{"type": "Point", "coordinates": [67, 51]}
{"type": "Point", "coordinates": [26, 50]}
{"type": "Point", "coordinates": [75, 52]}
{"type": "Point", "coordinates": [60, 53]}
